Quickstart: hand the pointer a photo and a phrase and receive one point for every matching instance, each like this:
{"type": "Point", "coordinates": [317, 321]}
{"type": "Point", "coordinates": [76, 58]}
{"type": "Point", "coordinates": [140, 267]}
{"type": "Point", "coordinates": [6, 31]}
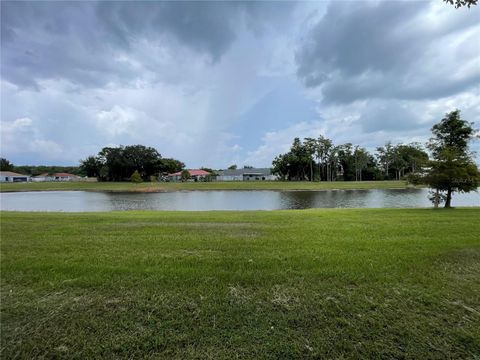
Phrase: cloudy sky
{"type": "Point", "coordinates": [217, 83]}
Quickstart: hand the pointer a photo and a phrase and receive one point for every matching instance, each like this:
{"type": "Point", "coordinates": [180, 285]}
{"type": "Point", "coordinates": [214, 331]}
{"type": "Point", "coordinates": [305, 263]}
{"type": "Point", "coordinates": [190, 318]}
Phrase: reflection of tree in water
{"type": "Point", "coordinates": [323, 199]}
{"type": "Point", "coordinates": [297, 199]}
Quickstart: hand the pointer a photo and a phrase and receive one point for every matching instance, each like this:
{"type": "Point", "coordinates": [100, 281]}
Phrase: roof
{"type": "Point", "coordinates": [11, 173]}
{"type": "Point", "coordinates": [64, 175]}
{"type": "Point", "coordinates": [240, 172]}
{"type": "Point", "coordinates": [192, 173]}
{"type": "Point", "coordinates": [42, 175]}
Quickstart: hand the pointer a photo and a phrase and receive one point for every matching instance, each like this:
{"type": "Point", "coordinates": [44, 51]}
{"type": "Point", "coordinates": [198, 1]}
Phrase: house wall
{"type": "Point", "coordinates": [41, 179]}
{"type": "Point", "coordinates": [66, 178]}
{"type": "Point", "coordinates": [229, 177]}
{"type": "Point", "coordinates": [260, 177]}
{"type": "Point", "coordinates": [14, 178]}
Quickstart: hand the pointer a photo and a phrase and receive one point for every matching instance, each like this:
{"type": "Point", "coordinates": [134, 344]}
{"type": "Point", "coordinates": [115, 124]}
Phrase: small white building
{"type": "Point", "coordinates": [9, 176]}
{"type": "Point", "coordinates": [249, 174]}
{"type": "Point", "coordinates": [42, 177]}
{"type": "Point", "coordinates": [65, 177]}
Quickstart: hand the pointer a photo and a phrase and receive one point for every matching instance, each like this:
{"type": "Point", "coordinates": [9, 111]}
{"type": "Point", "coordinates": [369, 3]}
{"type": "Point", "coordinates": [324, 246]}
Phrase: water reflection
{"type": "Point", "coordinates": [80, 201]}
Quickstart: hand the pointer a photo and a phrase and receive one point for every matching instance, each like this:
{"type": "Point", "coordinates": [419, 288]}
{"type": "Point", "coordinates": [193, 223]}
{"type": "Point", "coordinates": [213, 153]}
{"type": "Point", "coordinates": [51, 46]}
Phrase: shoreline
{"type": "Point", "coordinates": [125, 187]}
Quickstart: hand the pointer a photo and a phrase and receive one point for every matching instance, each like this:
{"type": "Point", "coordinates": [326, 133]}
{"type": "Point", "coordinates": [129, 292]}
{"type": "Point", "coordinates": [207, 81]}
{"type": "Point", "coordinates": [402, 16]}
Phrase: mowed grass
{"type": "Point", "coordinates": [226, 185]}
{"type": "Point", "coordinates": [351, 283]}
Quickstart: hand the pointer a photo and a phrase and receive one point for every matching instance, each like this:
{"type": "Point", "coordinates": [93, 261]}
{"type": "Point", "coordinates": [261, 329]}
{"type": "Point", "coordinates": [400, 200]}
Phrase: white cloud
{"type": "Point", "coordinates": [118, 120]}
{"type": "Point", "coordinates": [20, 136]}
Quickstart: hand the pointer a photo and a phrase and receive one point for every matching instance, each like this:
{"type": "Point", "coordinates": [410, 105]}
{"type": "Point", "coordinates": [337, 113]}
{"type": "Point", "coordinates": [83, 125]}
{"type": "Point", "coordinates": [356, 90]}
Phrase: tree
{"type": "Point", "coordinates": [90, 166]}
{"type": "Point", "coordinates": [185, 175]}
{"type": "Point", "coordinates": [232, 167]}
{"type": "Point", "coordinates": [136, 177]}
{"type": "Point", "coordinates": [452, 169]}
{"type": "Point", "coordinates": [385, 157]}
{"type": "Point", "coordinates": [414, 156]}
{"type": "Point", "coordinates": [324, 147]}
{"type": "Point", "coordinates": [311, 146]}
{"type": "Point", "coordinates": [361, 161]}
{"type": "Point", "coordinates": [460, 3]}
{"type": "Point", "coordinates": [168, 165]}
{"type": "Point", "coordinates": [294, 164]}
{"type": "Point", "coordinates": [118, 163]}
{"type": "Point", "coordinates": [5, 165]}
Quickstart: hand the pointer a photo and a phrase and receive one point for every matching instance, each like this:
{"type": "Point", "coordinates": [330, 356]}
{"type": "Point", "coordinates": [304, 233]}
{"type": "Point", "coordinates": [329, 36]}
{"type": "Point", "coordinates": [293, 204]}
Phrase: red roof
{"type": "Point", "coordinates": [192, 173]}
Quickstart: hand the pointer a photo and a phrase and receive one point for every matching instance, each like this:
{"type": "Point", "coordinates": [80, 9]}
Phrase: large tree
{"type": "Point", "coordinates": [119, 163]}
{"type": "Point", "coordinates": [294, 165]}
{"type": "Point", "coordinates": [453, 168]}
{"type": "Point", "coordinates": [91, 166]}
{"type": "Point", "coordinates": [5, 165]}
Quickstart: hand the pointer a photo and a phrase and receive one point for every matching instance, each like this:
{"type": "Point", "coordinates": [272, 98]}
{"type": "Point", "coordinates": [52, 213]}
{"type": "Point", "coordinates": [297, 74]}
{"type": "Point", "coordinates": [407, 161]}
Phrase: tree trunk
{"type": "Point", "coordinates": [311, 170]}
{"type": "Point", "coordinates": [448, 201]}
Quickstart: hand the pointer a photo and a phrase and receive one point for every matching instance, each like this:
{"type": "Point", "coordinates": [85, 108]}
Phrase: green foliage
{"type": "Point", "coordinates": [185, 175]}
{"type": "Point", "coordinates": [453, 168]}
{"type": "Point", "coordinates": [295, 164]}
{"type": "Point", "coordinates": [232, 167]}
{"type": "Point", "coordinates": [321, 159]}
{"type": "Point", "coordinates": [91, 166]}
{"type": "Point", "coordinates": [118, 163]}
{"type": "Point", "coordinates": [170, 166]}
{"type": "Point", "coordinates": [42, 169]}
{"type": "Point", "coordinates": [399, 160]}
{"type": "Point", "coordinates": [5, 165]}
{"type": "Point", "coordinates": [136, 177]}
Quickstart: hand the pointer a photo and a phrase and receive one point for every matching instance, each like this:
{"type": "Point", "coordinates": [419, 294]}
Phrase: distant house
{"type": "Point", "coordinates": [42, 177]}
{"type": "Point", "coordinates": [249, 174]}
{"type": "Point", "coordinates": [65, 177]}
{"type": "Point", "coordinates": [9, 176]}
{"type": "Point", "coordinates": [195, 175]}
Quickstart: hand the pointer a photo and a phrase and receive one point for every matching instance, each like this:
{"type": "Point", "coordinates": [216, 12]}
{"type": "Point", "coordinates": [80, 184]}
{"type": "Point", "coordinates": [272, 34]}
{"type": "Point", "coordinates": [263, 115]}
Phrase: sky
{"type": "Point", "coordinates": [221, 83]}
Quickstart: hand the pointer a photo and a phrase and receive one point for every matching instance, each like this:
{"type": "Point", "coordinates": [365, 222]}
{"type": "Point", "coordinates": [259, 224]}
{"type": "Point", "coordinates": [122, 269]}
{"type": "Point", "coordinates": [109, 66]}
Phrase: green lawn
{"type": "Point", "coordinates": [228, 185]}
{"type": "Point", "coordinates": [351, 283]}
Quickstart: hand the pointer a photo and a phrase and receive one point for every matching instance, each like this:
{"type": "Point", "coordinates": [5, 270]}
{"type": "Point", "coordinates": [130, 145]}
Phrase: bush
{"type": "Point", "coordinates": [185, 175]}
{"type": "Point", "coordinates": [136, 177]}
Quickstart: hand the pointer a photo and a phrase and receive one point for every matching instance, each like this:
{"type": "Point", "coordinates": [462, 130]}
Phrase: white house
{"type": "Point", "coordinates": [42, 177]}
{"type": "Point", "coordinates": [65, 177]}
{"type": "Point", "coordinates": [9, 176]}
{"type": "Point", "coordinates": [195, 175]}
{"type": "Point", "coordinates": [249, 174]}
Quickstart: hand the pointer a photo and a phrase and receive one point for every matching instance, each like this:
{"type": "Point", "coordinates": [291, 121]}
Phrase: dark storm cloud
{"type": "Point", "coordinates": [79, 41]}
{"type": "Point", "coordinates": [386, 49]}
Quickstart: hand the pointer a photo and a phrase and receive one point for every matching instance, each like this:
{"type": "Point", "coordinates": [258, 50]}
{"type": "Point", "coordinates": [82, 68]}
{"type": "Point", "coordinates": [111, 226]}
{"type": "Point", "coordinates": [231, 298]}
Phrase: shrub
{"type": "Point", "coordinates": [136, 177]}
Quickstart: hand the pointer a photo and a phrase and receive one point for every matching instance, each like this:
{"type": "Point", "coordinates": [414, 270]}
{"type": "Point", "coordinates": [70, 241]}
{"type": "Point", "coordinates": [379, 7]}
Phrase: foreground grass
{"type": "Point", "coordinates": [227, 185]}
{"type": "Point", "coordinates": [370, 283]}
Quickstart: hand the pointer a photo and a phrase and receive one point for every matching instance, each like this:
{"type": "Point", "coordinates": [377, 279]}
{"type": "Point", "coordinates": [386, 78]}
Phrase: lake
{"type": "Point", "coordinates": [83, 201]}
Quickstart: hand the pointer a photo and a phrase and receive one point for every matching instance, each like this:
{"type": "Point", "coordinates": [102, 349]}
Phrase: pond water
{"type": "Point", "coordinates": [82, 201]}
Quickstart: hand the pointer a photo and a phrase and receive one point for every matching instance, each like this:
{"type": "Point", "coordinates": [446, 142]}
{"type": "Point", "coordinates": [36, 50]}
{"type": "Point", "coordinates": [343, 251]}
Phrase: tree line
{"type": "Point", "coordinates": [120, 163]}
{"type": "Point", "coordinates": [449, 168]}
{"type": "Point", "coordinates": [34, 170]}
{"type": "Point", "coordinates": [321, 160]}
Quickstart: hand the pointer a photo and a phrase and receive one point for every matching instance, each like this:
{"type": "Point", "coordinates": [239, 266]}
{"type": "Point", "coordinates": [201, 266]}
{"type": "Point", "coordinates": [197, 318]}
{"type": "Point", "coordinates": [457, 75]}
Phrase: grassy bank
{"type": "Point", "coordinates": [230, 185]}
{"type": "Point", "coordinates": [369, 283]}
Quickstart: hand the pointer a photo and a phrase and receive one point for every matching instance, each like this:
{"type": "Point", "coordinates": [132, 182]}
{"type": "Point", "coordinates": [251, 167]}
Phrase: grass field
{"type": "Point", "coordinates": [369, 283]}
{"type": "Point", "coordinates": [174, 186]}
